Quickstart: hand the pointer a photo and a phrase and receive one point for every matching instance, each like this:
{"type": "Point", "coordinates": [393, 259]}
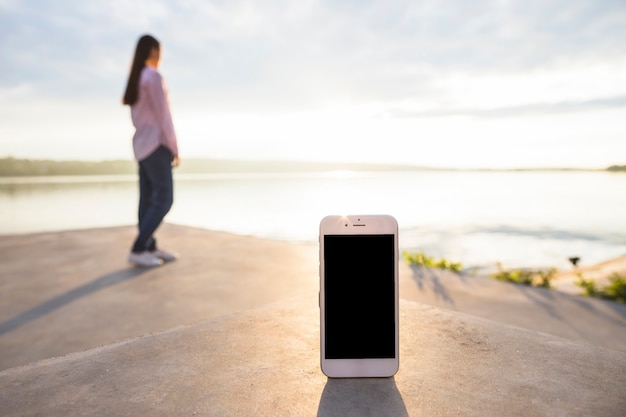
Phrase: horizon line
{"type": "Point", "coordinates": [302, 165]}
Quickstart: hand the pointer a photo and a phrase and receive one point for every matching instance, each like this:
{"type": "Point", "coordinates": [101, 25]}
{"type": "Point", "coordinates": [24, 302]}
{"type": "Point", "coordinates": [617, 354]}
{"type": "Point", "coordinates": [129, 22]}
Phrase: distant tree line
{"type": "Point", "coordinates": [617, 168]}
{"type": "Point", "coordinates": [14, 167]}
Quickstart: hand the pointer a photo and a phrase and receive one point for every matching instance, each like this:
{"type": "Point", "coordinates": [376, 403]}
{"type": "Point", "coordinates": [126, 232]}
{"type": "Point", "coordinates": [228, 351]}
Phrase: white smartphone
{"type": "Point", "coordinates": [359, 320]}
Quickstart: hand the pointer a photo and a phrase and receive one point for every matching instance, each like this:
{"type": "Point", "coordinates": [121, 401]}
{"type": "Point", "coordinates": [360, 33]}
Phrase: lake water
{"type": "Point", "coordinates": [478, 218]}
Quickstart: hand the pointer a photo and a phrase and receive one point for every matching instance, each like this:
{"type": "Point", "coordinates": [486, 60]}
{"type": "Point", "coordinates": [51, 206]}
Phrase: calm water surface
{"type": "Point", "coordinates": [479, 218]}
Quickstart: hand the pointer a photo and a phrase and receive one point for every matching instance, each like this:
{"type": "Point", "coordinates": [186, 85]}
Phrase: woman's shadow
{"type": "Point", "coordinates": [71, 296]}
{"type": "Point", "coordinates": [361, 397]}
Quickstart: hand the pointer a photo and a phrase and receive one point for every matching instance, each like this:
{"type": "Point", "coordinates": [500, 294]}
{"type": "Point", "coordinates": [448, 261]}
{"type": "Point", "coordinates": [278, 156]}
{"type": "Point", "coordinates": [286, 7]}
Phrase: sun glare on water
{"type": "Point", "coordinates": [341, 174]}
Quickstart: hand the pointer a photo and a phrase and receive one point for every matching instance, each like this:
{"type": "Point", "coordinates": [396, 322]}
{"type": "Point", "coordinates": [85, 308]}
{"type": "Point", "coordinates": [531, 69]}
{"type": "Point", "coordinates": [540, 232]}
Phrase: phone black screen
{"type": "Point", "coordinates": [359, 298]}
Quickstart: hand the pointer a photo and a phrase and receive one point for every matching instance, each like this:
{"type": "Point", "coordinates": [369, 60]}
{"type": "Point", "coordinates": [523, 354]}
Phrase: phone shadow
{"type": "Point", "coordinates": [361, 397]}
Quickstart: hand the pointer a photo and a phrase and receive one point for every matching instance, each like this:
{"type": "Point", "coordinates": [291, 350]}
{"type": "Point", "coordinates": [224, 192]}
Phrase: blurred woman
{"type": "Point", "coordinates": [155, 148]}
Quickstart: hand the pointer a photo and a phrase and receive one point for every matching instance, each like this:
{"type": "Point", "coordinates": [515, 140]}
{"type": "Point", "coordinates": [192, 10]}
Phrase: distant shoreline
{"type": "Point", "coordinates": [14, 167]}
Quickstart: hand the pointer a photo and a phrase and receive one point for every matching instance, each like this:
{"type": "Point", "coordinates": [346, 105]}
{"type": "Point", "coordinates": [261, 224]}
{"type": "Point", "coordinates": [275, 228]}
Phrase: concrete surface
{"type": "Point", "coordinates": [232, 329]}
{"type": "Point", "coordinates": [578, 318]}
{"type": "Point", "coordinates": [265, 362]}
{"type": "Point", "coordinates": [69, 291]}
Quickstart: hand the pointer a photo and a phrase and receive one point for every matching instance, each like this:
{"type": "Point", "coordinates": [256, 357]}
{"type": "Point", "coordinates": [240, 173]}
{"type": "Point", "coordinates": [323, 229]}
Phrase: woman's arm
{"type": "Point", "coordinates": [161, 105]}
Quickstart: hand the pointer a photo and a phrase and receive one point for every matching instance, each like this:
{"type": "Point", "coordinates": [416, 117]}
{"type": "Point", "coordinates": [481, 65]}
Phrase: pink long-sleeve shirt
{"type": "Point", "coordinates": [152, 117]}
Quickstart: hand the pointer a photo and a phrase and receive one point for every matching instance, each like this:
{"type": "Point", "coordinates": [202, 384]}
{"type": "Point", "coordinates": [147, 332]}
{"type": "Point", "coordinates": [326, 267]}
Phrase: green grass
{"type": "Point", "coordinates": [533, 277]}
{"type": "Point", "coordinates": [421, 259]}
{"type": "Point", "coordinates": [614, 291]}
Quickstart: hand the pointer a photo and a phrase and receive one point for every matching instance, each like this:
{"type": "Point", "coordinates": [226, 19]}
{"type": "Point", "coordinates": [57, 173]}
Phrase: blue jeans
{"type": "Point", "coordinates": [156, 195]}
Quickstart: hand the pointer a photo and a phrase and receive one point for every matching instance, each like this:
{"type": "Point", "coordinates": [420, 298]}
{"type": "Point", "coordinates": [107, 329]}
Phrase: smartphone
{"type": "Point", "coordinates": [359, 327]}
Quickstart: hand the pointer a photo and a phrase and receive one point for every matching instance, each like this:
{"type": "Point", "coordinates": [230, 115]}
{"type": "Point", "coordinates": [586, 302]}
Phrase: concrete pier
{"type": "Point", "coordinates": [232, 329]}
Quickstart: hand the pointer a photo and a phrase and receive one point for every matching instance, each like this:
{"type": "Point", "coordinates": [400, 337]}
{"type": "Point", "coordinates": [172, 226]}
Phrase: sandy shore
{"type": "Point", "coordinates": [600, 273]}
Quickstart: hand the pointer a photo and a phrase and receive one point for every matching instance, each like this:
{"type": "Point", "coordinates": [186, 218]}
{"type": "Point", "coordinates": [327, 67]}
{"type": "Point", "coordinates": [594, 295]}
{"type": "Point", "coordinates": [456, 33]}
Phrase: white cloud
{"type": "Point", "coordinates": [366, 62]}
{"type": "Point", "coordinates": [552, 88]}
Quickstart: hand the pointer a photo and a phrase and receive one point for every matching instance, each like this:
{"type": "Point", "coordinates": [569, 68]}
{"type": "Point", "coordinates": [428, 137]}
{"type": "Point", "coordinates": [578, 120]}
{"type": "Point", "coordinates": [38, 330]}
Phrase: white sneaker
{"type": "Point", "coordinates": [164, 255]}
{"type": "Point", "coordinates": [144, 260]}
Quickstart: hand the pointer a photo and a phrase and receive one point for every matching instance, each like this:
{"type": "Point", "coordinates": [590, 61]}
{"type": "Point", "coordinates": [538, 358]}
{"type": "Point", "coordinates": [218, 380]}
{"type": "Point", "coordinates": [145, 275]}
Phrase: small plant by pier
{"type": "Point", "coordinates": [533, 277]}
{"type": "Point", "coordinates": [614, 291]}
{"type": "Point", "coordinates": [421, 259]}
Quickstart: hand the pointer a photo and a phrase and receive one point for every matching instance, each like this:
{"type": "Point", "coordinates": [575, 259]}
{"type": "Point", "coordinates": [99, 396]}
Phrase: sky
{"type": "Point", "coordinates": [458, 83]}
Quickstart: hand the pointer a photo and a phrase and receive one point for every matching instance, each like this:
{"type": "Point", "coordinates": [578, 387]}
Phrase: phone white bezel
{"type": "Point", "coordinates": [359, 225]}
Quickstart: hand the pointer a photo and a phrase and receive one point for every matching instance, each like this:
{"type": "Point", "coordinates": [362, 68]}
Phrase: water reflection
{"type": "Point", "coordinates": [532, 218]}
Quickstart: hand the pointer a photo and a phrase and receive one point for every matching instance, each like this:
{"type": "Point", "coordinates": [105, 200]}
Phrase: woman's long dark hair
{"type": "Point", "coordinates": [144, 46]}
